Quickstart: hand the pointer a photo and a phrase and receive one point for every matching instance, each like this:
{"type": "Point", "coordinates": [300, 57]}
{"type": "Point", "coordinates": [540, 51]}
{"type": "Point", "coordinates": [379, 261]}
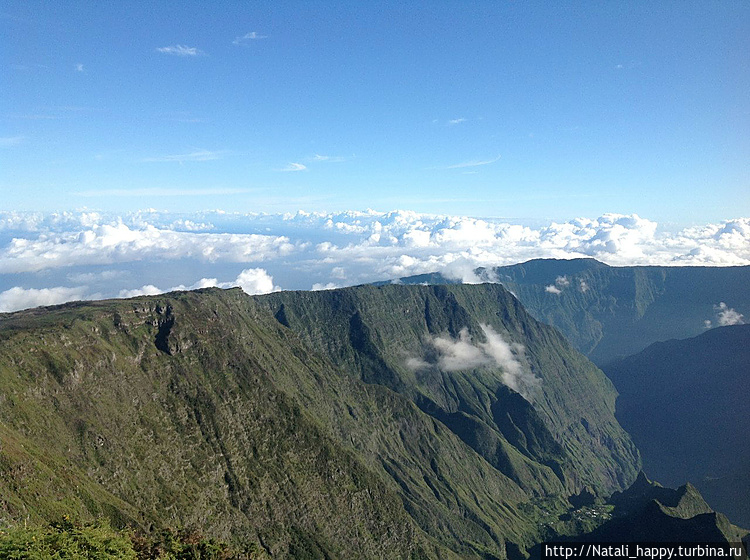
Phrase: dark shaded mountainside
{"type": "Point", "coordinates": [611, 312]}
{"type": "Point", "coordinates": [311, 425]}
{"type": "Point", "coordinates": [649, 513]}
{"type": "Point", "coordinates": [685, 402]}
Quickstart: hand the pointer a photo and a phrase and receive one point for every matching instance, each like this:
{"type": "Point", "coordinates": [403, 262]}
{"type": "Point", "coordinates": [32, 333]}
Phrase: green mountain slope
{"type": "Point", "coordinates": [370, 422]}
{"type": "Point", "coordinates": [161, 404]}
{"type": "Point", "coordinates": [206, 410]}
{"type": "Point", "coordinates": [611, 312]}
{"type": "Point", "coordinates": [562, 438]}
{"type": "Point", "coordinates": [685, 404]}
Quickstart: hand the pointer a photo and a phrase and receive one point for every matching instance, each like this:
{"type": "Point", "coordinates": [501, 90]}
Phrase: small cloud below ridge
{"type": "Point", "coordinates": [561, 282]}
{"type": "Point", "coordinates": [449, 354]}
{"type": "Point", "coordinates": [725, 316]}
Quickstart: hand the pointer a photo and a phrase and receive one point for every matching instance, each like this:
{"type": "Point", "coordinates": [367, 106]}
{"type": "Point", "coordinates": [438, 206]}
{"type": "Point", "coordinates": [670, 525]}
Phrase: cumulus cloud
{"type": "Point", "coordinates": [147, 290]}
{"type": "Point", "coordinates": [107, 244]}
{"type": "Point", "coordinates": [21, 298]}
{"type": "Point", "coordinates": [255, 281]}
{"type": "Point", "coordinates": [303, 249]}
{"type": "Point", "coordinates": [180, 50]}
{"type": "Point", "coordinates": [460, 354]}
{"type": "Point", "coordinates": [726, 316]}
{"type": "Point", "coordinates": [318, 286]}
{"type": "Point", "coordinates": [561, 282]}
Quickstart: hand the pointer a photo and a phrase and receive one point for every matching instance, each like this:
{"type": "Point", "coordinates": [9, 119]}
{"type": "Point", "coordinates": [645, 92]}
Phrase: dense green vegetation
{"type": "Point", "coordinates": [68, 540]}
{"type": "Point", "coordinates": [566, 441]}
{"type": "Point", "coordinates": [292, 425]}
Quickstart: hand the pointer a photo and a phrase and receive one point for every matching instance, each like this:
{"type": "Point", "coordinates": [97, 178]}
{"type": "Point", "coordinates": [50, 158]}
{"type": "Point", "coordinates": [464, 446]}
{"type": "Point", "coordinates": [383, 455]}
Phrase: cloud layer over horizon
{"type": "Point", "coordinates": [83, 255]}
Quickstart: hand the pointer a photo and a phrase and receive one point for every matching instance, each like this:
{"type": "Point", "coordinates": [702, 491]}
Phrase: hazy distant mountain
{"type": "Point", "coordinates": [685, 402]}
{"type": "Point", "coordinates": [611, 312]}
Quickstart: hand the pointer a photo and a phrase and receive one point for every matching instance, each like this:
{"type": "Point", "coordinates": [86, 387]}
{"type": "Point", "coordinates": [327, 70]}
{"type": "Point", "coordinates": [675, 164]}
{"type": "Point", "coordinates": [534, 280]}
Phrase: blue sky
{"type": "Point", "coordinates": [150, 146]}
{"type": "Point", "coordinates": [520, 110]}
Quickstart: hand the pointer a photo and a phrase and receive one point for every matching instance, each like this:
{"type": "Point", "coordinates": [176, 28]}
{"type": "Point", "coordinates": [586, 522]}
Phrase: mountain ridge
{"type": "Point", "coordinates": [217, 410]}
{"type": "Point", "coordinates": [610, 312]}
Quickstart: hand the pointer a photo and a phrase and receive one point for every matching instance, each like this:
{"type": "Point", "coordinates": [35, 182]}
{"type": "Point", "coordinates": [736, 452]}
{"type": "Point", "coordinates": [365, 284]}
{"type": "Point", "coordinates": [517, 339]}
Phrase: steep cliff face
{"type": "Point", "coordinates": [169, 409]}
{"type": "Point", "coordinates": [510, 387]}
{"type": "Point", "coordinates": [306, 424]}
{"type": "Point", "coordinates": [611, 312]}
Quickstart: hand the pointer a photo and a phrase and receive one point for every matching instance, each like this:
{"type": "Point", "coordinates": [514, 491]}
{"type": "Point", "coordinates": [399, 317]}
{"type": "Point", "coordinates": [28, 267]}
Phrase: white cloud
{"type": "Point", "coordinates": [247, 37]}
{"type": "Point", "coordinates": [79, 67]}
{"type": "Point", "coordinates": [330, 159]}
{"type": "Point", "coordinates": [461, 354]}
{"type": "Point", "coordinates": [202, 283]}
{"type": "Point", "coordinates": [256, 281]}
{"type": "Point", "coordinates": [456, 121]}
{"type": "Point", "coordinates": [344, 248]}
{"type": "Point", "coordinates": [180, 50]}
{"type": "Point", "coordinates": [147, 290]}
{"type": "Point", "coordinates": [294, 167]}
{"type": "Point", "coordinates": [253, 281]}
{"type": "Point", "coordinates": [195, 155]}
{"type": "Point", "coordinates": [118, 243]}
{"type": "Point", "coordinates": [583, 286]}
{"type": "Point", "coordinates": [473, 163]}
{"type": "Point", "coordinates": [20, 298]}
{"type": "Point", "coordinates": [726, 316]}
{"type": "Point", "coordinates": [190, 225]}
{"type": "Point", "coordinates": [319, 286]}
{"type": "Point", "coordinates": [561, 282]}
